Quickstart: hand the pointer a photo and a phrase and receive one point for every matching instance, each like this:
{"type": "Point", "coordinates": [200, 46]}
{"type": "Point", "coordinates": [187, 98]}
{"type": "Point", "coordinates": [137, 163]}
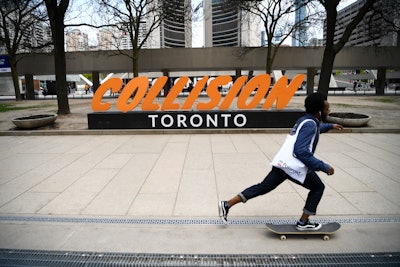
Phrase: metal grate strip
{"type": "Point", "coordinates": [67, 258]}
{"type": "Point", "coordinates": [212, 221]}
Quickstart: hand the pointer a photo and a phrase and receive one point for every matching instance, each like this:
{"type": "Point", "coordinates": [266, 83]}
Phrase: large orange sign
{"type": "Point", "coordinates": [281, 93]}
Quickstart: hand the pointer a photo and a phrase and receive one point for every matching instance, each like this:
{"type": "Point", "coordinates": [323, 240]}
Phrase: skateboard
{"type": "Point", "coordinates": [290, 229]}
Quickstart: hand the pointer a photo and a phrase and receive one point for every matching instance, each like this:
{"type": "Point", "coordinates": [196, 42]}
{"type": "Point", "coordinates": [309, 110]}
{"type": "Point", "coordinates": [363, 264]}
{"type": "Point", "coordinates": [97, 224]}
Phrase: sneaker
{"type": "Point", "coordinates": [308, 226]}
{"type": "Point", "coordinates": [223, 209]}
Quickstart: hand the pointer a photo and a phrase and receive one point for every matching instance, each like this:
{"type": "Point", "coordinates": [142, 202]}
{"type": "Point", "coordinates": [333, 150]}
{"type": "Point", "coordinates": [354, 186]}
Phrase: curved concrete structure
{"type": "Point", "coordinates": [219, 58]}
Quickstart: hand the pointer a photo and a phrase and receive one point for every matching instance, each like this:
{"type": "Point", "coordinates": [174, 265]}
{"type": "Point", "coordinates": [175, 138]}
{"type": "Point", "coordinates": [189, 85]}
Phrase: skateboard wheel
{"type": "Point", "coordinates": [283, 237]}
{"type": "Point", "coordinates": [326, 237]}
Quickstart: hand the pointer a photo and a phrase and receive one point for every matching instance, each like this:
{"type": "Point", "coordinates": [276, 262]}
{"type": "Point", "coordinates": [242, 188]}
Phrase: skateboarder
{"type": "Point", "coordinates": [317, 109]}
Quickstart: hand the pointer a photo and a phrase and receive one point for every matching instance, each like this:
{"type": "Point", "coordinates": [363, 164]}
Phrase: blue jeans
{"type": "Point", "coordinates": [277, 176]}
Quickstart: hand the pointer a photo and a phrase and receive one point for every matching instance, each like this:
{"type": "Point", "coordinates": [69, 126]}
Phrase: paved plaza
{"type": "Point", "coordinates": [158, 193]}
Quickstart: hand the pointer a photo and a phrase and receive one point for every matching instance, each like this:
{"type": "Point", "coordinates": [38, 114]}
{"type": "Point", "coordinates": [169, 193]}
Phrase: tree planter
{"type": "Point", "coordinates": [348, 119]}
{"type": "Point", "coordinates": [35, 121]}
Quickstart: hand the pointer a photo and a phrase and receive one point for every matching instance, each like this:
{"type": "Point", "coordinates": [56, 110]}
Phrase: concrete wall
{"type": "Point", "coordinates": [200, 59]}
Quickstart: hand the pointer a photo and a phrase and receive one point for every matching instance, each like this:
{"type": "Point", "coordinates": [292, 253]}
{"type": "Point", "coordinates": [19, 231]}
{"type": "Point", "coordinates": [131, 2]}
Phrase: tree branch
{"type": "Point", "coordinates": [353, 24]}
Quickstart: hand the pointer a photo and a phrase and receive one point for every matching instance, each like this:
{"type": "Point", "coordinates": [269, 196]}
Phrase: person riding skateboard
{"type": "Point", "coordinates": [317, 109]}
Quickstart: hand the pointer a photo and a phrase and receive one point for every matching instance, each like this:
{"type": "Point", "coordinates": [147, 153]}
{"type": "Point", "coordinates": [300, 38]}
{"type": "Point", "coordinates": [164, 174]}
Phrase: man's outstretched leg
{"type": "Point", "coordinates": [316, 187]}
{"type": "Point", "coordinates": [274, 178]}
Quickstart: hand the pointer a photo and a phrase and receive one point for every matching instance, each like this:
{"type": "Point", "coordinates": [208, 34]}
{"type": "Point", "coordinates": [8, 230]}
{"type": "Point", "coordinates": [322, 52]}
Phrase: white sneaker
{"type": "Point", "coordinates": [223, 210]}
{"type": "Point", "coordinates": [308, 226]}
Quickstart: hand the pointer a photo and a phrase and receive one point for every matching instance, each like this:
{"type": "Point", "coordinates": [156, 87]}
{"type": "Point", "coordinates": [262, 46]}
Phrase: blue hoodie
{"type": "Point", "coordinates": [304, 138]}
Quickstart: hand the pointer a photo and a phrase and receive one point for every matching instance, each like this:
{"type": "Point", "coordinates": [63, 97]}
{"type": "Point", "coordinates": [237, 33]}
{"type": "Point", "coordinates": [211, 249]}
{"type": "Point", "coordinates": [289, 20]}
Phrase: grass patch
{"type": "Point", "coordinates": [9, 107]}
{"type": "Point", "coordinates": [342, 105]}
{"type": "Point", "coordinates": [387, 100]}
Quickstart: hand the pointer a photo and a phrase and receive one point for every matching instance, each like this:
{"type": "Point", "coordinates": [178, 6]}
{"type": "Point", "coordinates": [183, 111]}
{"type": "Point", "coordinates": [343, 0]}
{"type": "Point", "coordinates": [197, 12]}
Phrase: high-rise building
{"type": "Point", "coordinates": [373, 29]}
{"type": "Point", "coordinates": [105, 39]}
{"type": "Point", "coordinates": [39, 36]}
{"type": "Point", "coordinates": [300, 34]}
{"type": "Point", "coordinates": [36, 36]}
{"type": "Point", "coordinates": [114, 38]}
{"type": "Point", "coordinates": [175, 29]}
{"type": "Point", "coordinates": [226, 25]}
{"type": "Point", "coordinates": [76, 40]}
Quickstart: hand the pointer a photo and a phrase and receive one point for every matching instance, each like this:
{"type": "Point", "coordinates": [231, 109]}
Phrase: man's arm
{"type": "Point", "coordinates": [302, 148]}
{"type": "Point", "coordinates": [324, 127]}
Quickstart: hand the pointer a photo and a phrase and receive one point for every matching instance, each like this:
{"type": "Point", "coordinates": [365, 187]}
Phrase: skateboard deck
{"type": "Point", "coordinates": [290, 229]}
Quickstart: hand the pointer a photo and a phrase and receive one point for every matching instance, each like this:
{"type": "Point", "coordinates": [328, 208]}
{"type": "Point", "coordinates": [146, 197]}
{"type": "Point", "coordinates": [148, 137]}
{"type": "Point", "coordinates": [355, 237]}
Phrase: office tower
{"type": "Point", "coordinates": [226, 25]}
{"type": "Point", "coordinates": [300, 34]}
{"type": "Point", "coordinates": [175, 29]}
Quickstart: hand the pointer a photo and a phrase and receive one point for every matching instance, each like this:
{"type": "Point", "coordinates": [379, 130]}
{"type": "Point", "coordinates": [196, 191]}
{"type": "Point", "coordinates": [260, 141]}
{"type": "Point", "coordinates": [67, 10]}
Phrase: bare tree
{"type": "Point", "coordinates": [331, 48]}
{"type": "Point", "coordinates": [384, 26]}
{"type": "Point", "coordinates": [389, 13]}
{"type": "Point", "coordinates": [18, 18]}
{"type": "Point", "coordinates": [277, 18]}
{"type": "Point", "coordinates": [56, 10]}
{"type": "Point", "coordinates": [134, 21]}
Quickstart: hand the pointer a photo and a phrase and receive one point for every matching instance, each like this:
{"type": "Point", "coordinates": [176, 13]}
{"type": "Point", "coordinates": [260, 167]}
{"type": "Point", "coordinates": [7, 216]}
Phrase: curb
{"type": "Point", "coordinates": [180, 131]}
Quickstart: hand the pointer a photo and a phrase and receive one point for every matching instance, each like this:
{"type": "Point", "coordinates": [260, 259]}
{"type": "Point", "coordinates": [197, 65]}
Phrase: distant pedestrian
{"type": "Point", "coordinates": [86, 88]}
{"type": "Point", "coordinates": [304, 139]}
{"type": "Point", "coordinates": [354, 86]}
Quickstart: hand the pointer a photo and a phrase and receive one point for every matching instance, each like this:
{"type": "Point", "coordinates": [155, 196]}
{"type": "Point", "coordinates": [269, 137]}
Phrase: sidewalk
{"type": "Point", "coordinates": [158, 193]}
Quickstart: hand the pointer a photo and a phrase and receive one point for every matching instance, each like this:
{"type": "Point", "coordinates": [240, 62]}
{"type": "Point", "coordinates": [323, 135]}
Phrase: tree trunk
{"type": "Point", "coordinates": [269, 62]}
{"type": "Point", "coordinates": [60, 67]}
{"type": "Point", "coordinates": [14, 75]}
{"type": "Point", "coordinates": [326, 70]}
{"type": "Point", "coordinates": [56, 11]}
{"type": "Point", "coordinates": [135, 62]}
{"type": "Point", "coordinates": [329, 51]}
{"type": "Point", "coordinates": [270, 47]}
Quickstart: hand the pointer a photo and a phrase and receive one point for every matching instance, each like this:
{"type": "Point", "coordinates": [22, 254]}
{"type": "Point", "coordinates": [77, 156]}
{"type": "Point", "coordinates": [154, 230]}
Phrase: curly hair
{"type": "Point", "coordinates": [315, 102]}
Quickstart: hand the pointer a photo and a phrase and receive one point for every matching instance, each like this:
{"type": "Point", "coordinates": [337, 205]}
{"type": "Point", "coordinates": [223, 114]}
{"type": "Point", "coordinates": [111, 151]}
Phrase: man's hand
{"type": "Point", "coordinates": [331, 170]}
{"type": "Point", "coordinates": [337, 127]}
